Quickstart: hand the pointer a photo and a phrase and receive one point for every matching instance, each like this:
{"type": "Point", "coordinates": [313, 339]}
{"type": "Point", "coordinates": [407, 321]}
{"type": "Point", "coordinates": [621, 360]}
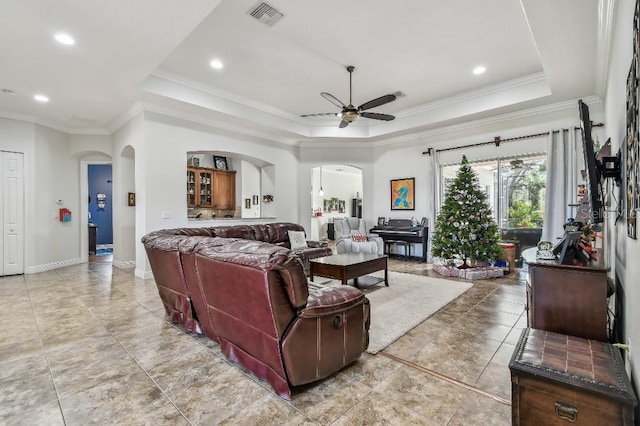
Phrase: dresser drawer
{"type": "Point", "coordinates": [538, 402]}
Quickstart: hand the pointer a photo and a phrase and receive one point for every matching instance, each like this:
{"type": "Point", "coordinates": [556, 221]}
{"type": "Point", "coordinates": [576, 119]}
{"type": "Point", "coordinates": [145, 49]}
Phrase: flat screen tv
{"type": "Point", "coordinates": [592, 167]}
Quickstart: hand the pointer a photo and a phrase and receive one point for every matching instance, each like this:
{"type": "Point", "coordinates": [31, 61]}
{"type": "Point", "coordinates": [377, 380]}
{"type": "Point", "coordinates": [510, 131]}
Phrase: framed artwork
{"type": "Point", "coordinates": [381, 221]}
{"type": "Point", "coordinates": [247, 203]}
{"type": "Point", "coordinates": [403, 194]}
{"type": "Point", "coordinates": [631, 154]}
{"type": "Point", "coordinates": [334, 205]}
{"type": "Point", "coordinates": [255, 200]}
{"type": "Point", "coordinates": [220, 162]}
{"type": "Point", "coordinates": [131, 199]}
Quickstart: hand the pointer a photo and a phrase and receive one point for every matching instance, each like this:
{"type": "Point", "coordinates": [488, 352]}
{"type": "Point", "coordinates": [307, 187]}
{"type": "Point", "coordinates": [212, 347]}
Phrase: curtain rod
{"type": "Point", "coordinates": [497, 140]}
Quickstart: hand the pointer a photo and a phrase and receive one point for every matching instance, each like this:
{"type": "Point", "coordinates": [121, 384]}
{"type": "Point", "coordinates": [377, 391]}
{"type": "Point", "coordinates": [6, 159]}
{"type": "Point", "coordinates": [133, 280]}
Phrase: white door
{"type": "Point", "coordinates": [12, 214]}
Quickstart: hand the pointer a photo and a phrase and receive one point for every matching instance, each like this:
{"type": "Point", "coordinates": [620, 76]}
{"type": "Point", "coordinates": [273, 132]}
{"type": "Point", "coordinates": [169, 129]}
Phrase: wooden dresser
{"type": "Point", "coordinates": [567, 299]}
{"type": "Point", "coordinates": [560, 380]}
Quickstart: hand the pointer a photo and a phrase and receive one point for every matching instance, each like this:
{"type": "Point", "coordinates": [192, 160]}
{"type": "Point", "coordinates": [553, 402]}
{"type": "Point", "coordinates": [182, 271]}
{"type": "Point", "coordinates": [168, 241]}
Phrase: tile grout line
{"type": "Point", "coordinates": [445, 378]}
{"type": "Point", "coordinates": [144, 370]}
{"type": "Point", "coordinates": [45, 353]}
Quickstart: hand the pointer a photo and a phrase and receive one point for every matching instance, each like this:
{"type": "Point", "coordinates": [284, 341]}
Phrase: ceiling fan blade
{"type": "Point", "coordinates": [337, 102]}
{"type": "Point", "coordinates": [335, 114]}
{"type": "Point", "coordinates": [343, 124]}
{"type": "Point", "coordinates": [377, 116]}
{"type": "Point", "coordinates": [377, 102]}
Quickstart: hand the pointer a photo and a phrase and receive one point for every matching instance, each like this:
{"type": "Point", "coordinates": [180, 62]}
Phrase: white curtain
{"type": "Point", "coordinates": [561, 188]}
{"type": "Point", "coordinates": [433, 170]}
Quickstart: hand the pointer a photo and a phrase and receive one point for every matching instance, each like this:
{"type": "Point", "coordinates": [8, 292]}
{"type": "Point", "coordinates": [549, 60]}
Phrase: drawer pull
{"type": "Point", "coordinates": [565, 411]}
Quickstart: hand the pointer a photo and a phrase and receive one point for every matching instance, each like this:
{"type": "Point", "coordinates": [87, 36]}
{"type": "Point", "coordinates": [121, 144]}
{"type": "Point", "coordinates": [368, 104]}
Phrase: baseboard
{"type": "Point", "coordinates": [124, 264]}
{"type": "Point", "coordinates": [145, 275]}
{"type": "Point", "coordinates": [52, 266]}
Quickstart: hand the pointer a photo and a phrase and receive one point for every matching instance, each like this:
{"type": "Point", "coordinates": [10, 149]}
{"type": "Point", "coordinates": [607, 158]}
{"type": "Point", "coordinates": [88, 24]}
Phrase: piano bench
{"type": "Point", "coordinates": [405, 244]}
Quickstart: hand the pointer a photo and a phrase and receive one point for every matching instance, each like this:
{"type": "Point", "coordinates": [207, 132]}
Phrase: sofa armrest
{"type": "Point", "coordinates": [317, 244]}
{"type": "Point", "coordinates": [324, 301]}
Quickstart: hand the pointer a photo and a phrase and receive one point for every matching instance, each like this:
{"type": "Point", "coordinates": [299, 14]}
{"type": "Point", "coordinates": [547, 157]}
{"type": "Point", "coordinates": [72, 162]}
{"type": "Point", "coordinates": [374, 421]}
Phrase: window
{"type": "Point", "coordinates": [515, 188]}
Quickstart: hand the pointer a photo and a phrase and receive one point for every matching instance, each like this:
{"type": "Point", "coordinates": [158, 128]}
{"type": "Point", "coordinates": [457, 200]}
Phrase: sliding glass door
{"type": "Point", "coordinates": [515, 189]}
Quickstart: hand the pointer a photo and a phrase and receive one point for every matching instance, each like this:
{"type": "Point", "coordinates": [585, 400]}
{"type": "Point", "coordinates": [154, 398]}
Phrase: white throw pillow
{"type": "Point", "coordinates": [297, 239]}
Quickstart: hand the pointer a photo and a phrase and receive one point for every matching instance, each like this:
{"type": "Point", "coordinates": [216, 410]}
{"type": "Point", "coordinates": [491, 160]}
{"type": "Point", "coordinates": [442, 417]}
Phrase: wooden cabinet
{"type": "Point", "coordinates": [199, 187]}
{"type": "Point", "coordinates": [567, 299]}
{"type": "Point", "coordinates": [93, 237]}
{"type": "Point", "coordinates": [210, 188]}
{"type": "Point", "coordinates": [224, 189]}
{"type": "Point", "coordinates": [559, 379]}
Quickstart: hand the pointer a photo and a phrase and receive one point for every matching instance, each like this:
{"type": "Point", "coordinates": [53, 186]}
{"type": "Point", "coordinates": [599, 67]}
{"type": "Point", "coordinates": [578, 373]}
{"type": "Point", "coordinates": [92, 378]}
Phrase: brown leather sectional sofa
{"type": "Point", "coordinates": [254, 298]}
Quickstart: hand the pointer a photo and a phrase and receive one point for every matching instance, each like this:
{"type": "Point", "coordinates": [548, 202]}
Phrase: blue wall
{"type": "Point", "coordinates": [100, 181]}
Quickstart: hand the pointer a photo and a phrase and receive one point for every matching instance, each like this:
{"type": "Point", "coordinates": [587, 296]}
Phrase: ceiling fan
{"type": "Point", "coordinates": [349, 113]}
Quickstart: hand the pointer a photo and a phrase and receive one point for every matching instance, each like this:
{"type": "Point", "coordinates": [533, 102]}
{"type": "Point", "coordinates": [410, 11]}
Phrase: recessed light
{"type": "Point", "coordinates": [479, 70]}
{"type": "Point", "coordinates": [216, 64]}
{"type": "Point", "coordinates": [65, 39]}
{"type": "Point", "coordinates": [41, 98]}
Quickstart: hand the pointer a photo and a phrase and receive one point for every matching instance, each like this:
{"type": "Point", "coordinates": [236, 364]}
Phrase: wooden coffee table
{"type": "Point", "coordinates": [346, 266]}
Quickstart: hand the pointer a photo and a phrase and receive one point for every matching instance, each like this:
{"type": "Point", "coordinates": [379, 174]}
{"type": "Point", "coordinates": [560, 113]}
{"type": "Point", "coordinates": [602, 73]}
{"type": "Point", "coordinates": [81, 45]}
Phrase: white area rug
{"type": "Point", "coordinates": [409, 300]}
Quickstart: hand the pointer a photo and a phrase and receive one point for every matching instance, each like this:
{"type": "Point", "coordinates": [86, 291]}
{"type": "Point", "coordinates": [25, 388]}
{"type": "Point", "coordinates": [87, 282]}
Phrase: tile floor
{"type": "Point", "coordinates": [88, 344]}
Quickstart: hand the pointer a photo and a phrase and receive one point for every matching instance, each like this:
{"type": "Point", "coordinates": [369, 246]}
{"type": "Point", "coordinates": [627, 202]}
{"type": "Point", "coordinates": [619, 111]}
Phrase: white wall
{"type": "Point", "coordinates": [627, 250]}
{"type": "Point", "coordinates": [268, 187]}
{"type": "Point", "coordinates": [126, 247]}
{"type": "Point", "coordinates": [125, 254]}
{"type": "Point", "coordinates": [160, 172]}
{"type": "Point", "coordinates": [166, 168]}
{"type": "Point", "coordinates": [57, 176]}
{"type": "Point", "coordinates": [249, 181]}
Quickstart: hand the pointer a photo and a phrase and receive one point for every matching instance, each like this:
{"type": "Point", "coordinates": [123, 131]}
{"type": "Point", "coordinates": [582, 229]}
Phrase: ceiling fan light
{"type": "Point", "coordinates": [349, 116]}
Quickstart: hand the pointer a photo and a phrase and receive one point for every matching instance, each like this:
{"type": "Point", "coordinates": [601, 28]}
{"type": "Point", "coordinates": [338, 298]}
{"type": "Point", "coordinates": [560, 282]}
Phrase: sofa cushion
{"type": "Point", "coordinates": [325, 300]}
{"type": "Point", "coordinates": [297, 240]}
{"type": "Point", "coordinates": [359, 238]}
{"type": "Point", "coordinates": [264, 256]}
{"type": "Point", "coordinates": [246, 232]}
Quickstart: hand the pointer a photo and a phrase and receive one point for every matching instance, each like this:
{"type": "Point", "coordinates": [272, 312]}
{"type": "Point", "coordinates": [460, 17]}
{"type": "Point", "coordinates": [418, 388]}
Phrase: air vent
{"type": "Point", "coordinates": [266, 14]}
{"type": "Point", "coordinates": [399, 94]}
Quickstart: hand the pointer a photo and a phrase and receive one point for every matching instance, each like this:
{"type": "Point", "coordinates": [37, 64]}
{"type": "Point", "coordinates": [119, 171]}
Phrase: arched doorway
{"type": "Point", "coordinates": [336, 191]}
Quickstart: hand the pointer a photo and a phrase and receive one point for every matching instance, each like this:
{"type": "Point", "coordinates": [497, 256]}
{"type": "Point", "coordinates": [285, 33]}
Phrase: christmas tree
{"type": "Point", "coordinates": [465, 230]}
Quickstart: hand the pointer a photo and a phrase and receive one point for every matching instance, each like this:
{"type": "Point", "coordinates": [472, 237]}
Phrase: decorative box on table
{"type": "Point", "coordinates": [562, 379]}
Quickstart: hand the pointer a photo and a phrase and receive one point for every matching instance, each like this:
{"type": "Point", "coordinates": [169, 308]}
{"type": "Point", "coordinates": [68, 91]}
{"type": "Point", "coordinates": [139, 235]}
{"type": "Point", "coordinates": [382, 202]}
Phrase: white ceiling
{"type": "Point", "coordinates": [156, 54]}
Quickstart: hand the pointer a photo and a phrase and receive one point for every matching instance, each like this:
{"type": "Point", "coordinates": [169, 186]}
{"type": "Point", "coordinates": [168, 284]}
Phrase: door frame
{"type": "Point", "coordinates": [19, 268]}
{"type": "Point", "coordinates": [84, 206]}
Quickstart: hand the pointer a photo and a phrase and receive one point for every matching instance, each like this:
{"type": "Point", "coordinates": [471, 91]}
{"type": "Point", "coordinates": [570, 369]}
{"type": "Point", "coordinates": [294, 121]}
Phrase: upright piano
{"type": "Point", "coordinates": [403, 230]}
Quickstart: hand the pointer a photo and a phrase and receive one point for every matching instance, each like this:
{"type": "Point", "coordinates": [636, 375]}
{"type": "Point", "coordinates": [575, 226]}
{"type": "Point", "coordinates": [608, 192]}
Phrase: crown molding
{"type": "Point", "coordinates": [89, 131]}
{"type": "Point", "coordinates": [490, 121]}
{"type": "Point", "coordinates": [223, 94]}
{"type": "Point", "coordinates": [160, 82]}
{"type": "Point", "coordinates": [34, 120]}
{"type": "Point", "coordinates": [528, 80]}
{"type": "Point", "coordinates": [54, 126]}
{"type": "Point", "coordinates": [606, 17]}
{"type": "Point", "coordinates": [125, 117]}
{"type": "Point", "coordinates": [242, 131]}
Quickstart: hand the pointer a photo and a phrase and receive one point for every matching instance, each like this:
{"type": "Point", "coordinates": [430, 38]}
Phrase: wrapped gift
{"type": "Point", "coordinates": [481, 273]}
{"type": "Point", "coordinates": [446, 270]}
